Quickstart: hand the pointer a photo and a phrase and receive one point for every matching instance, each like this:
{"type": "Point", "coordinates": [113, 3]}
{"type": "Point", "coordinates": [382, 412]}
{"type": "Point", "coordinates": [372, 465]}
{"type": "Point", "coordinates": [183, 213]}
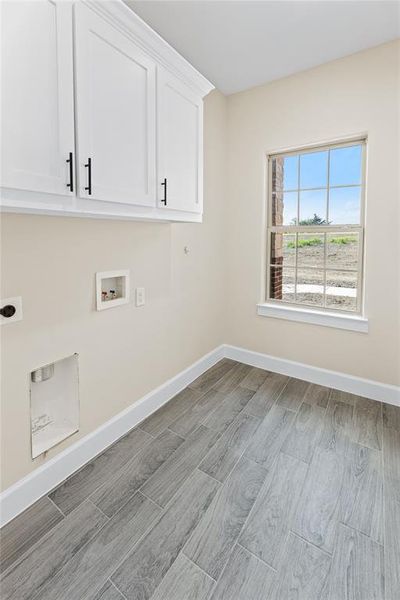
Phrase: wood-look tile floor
{"type": "Point", "coordinates": [247, 485]}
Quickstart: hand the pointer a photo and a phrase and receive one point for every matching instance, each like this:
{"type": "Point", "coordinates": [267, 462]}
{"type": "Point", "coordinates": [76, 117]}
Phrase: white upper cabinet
{"type": "Point", "coordinates": [180, 144]}
{"type": "Point", "coordinates": [37, 116]}
{"type": "Point", "coordinates": [115, 107]}
{"type": "Point", "coordinates": [100, 116]}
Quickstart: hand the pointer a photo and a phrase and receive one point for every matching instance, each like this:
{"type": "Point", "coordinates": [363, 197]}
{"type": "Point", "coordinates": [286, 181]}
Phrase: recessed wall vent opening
{"type": "Point", "coordinates": [54, 403]}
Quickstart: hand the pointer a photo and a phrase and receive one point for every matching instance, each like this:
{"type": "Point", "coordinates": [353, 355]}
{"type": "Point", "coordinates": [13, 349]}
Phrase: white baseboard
{"type": "Point", "coordinates": [340, 381]}
{"type": "Point", "coordinates": [26, 491]}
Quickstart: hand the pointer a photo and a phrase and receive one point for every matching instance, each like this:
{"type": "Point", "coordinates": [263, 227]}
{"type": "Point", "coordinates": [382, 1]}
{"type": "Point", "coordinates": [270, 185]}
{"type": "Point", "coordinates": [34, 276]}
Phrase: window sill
{"type": "Point", "coordinates": [316, 317]}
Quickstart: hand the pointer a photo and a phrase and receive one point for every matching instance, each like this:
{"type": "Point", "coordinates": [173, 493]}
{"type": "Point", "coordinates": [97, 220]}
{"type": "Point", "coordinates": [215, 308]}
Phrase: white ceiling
{"type": "Point", "coordinates": [240, 44]}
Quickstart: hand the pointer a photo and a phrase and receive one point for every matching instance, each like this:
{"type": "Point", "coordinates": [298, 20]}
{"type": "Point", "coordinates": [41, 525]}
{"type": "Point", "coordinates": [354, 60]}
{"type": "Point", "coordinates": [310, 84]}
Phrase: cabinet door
{"type": "Point", "coordinates": [115, 93]}
{"type": "Point", "coordinates": [37, 95]}
{"type": "Point", "coordinates": [180, 145]}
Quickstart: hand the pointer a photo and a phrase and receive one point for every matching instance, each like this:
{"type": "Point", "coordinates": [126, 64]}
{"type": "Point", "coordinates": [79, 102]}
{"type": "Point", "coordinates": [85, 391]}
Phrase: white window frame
{"type": "Point", "coordinates": [333, 317]}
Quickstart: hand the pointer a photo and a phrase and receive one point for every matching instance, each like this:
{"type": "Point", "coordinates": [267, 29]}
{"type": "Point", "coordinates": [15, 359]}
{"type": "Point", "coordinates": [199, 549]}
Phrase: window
{"type": "Point", "coordinates": [315, 227]}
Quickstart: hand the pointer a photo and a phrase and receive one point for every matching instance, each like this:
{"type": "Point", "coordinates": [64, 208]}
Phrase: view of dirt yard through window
{"type": "Point", "coordinates": [315, 236]}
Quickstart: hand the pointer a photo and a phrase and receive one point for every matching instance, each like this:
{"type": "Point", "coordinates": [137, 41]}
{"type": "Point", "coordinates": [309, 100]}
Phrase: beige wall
{"type": "Point", "coordinates": [196, 302]}
{"type": "Point", "coordinates": [353, 95]}
{"type": "Point", "coordinates": [123, 352]}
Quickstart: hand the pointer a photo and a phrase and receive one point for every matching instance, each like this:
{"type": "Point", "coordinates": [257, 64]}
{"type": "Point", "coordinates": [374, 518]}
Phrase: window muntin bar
{"type": "Point", "coordinates": [344, 272]}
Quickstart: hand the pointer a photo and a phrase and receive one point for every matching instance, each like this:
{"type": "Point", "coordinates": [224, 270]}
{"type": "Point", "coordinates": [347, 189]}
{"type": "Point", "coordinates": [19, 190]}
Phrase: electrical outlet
{"type": "Point", "coordinates": [140, 297]}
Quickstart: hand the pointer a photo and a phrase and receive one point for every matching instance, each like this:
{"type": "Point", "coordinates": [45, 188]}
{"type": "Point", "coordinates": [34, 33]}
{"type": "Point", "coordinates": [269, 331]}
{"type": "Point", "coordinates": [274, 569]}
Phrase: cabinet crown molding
{"type": "Point", "coordinates": [131, 25]}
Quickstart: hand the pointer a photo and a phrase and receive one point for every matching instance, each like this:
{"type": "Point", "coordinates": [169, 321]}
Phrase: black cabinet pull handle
{"type": "Point", "coordinates": [71, 172]}
{"type": "Point", "coordinates": [88, 165]}
{"type": "Point", "coordinates": [164, 183]}
{"type": "Point", "coordinates": [7, 311]}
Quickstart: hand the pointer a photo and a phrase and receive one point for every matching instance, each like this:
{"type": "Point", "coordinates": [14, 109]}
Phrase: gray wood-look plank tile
{"type": "Point", "coordinates": [338, 426]}
{"type": "Point", "coordinates": [142, 571]}
{"type": "Point", "coordinates": [262, 490]}
{"type": "Point", "coordinates": [304, 572]}
{"type": "Point", "coordinates": [194, 416]}
{"type": "Point", "coordinates": [226, 452]}
{"type": "Point", "coordinates": [184, 581]}
{"type": "Point", "coordinates": [391, 416]}
{"type": "Point", "coordinates": [208, 379]}
{"type": "Point", "coordinates": [270, 436]}
{"type": "Point", "coordinates": [357, 571]}
{"type": "Point", "coordinates": [391, 462]}
{"type": "Point", "coordinates": [167, 414]}
{"type": "Point", "coordinates": [367, 425]}
{"type": "Point", "coordinates": [268, 525]}
{"type": "Point", "coordinates": [211, 543]}
{"type": "Point", "coordinates": [26, 529]}
{"type": "Point", "coordinates": [171, 475]}
{"type": "Point", "coordinates": [392, 548]}
{"type": "Point", "coordinates": [346, 397]}
{"type": "Point", "coordinates": [317, 395]}
{"type": "Point", "coordinates": [109, 592]}
{"type": "Point", "coordinates": [232, 378]}
{"type": "Point", "coordinates": [111, 496]}
{"type": "Point", "coordinates": [319, 505]}
{"type": "Point", "coordinates": [266, 395]}
{"type": "Point", "coordinates": [227, 411]}
{"type": "Point", "coordinates": [83, 483]}
{"type": "Point", "coordinates": [244, 578]}
{"type": "Point", "coordinates": [254, 378]}
{"type": "Point", "coordinates": [293, 393]}
{"type": "Point", "coordinates": [39, 564]}
{"type": "Point", "coordinates": [86, 573]}
{"type": "Point", "coordinates": [306, 432]}
{"type": "Point", "coordinates": [362, 492]}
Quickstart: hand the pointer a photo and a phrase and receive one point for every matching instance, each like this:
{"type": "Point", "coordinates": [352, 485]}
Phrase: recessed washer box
{"type": "Point", "coordinates": [54, 390]}
{"type": "Point", "coordinates": [112, 288]}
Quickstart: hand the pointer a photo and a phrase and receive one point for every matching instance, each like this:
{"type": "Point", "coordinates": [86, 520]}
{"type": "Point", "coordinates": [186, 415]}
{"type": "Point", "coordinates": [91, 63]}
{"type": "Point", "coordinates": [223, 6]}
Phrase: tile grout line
{"type": "Point", "coordinates": [257, 557]}
{"type": "Point", "coordinates": [183, 482]}
{"type": "Point", "coordinates": [120, 469]}
{"type": "Point", "coordinates": [41, 540]}
{"type": "Point", "coordinates": [168, 427]}
{"type": "Point", "coordinates": [144, 430]}
{"type": "Point", "coordinates": [359, 532]}
{"type": "Point", "coordinates": [117, 588]}
{"type": "Point", "coordinates": [196, 467]}
{"type": "Point", "coordinates": [330, 554]}
{"type": "Point", "coordinates": [139, 491]}
{"type": "Point", "coordinates": [219, 438]}
{"type": "Point", "coordinates": [129, 552]}
{"type": "Point", "coordinates": [54, 574]}
{"type": "Point", "coordinates": [177, 434]}
{"type": "Point", "coordinates": [221, 483]}
{"type": "Point", "coordinates": [196, 565]}
{"type": "Point", "coordinates": [100, 530]}
{"type": "Point", "coordinates": [186, 411]}
{"type": "Point", "coordinates": [125, 468]}
{"type": "Point", "coordinates": [235, 363]}
{"type": "Point", "coordinates": [153, 437]}
{"type": "Point", "coordinates": [226, 395]}
{"type": "Point", "coordinates": [97, 456]}
{"type": "Point", "coordinates": [98, 508]}
{"type": "Point", "coordinates": [244, 523]}
{"type": "Point", "coordinates": [322, 431]}
{"type": "Point", "coordinates": [56, 506]}
{"type": "Point", "coordinates": [273, 467]}
{"type": "Point", "coordinates": [243, 411]}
